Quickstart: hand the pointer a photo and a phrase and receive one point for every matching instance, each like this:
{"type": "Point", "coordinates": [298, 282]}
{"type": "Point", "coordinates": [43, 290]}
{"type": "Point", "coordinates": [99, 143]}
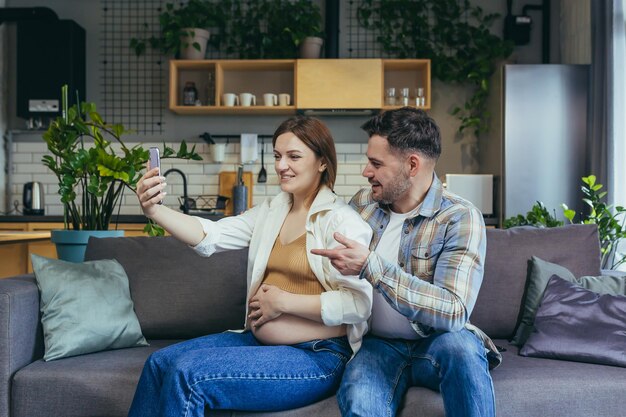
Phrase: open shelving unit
{"type": "Point", "coordinates": [321, 84]}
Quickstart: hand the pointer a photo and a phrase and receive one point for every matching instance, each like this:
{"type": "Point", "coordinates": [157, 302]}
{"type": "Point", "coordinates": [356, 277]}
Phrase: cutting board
{"type": "Point", "coordinates": [228, 180]}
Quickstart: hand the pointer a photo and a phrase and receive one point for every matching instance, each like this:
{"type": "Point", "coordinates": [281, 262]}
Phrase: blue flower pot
{"type": "Point", "coordinates": [71, 244]}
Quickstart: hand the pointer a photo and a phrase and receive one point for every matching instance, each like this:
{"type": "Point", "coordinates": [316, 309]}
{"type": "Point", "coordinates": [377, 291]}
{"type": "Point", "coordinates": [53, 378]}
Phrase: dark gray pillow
{"type": "Point", "coordinates": [576, 324]}
{"type": "Point", "coordinates": [539, 274]}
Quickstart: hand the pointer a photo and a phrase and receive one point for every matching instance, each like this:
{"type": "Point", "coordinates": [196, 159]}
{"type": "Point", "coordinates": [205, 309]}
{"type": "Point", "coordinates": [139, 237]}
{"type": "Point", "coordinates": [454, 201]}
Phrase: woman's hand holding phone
{"type": "Point", "coordinates": [150, 186]}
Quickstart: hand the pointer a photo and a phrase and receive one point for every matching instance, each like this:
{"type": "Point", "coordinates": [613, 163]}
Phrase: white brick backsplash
{"type": "Point", "coordinates": [202, 176]}
{"type": "Point", "coordinates": [20, 179]}
{"type": "Point", "coordinates": [356, 159]}
{"type": "Point", "coordinates": [356, 180]}
{"type": "Point", "coordinates": [211, 169]}
{"type": "Point", "coordinates": [259, 190]}
{"type": "Point", "coordinates": [210, 190]}
{"type": "Point", "coordinates": [349, 169]}
{"type": "Point", "coordinates": [33, 168]}
{"type": "Point", "coordinates": [52, 210]}
{"type": "Point", "coordinates": [22, 158]}
{"type": "Point", "coordinates": [31, 147]}
{"type": "Point", "coordinates": [348, 148]}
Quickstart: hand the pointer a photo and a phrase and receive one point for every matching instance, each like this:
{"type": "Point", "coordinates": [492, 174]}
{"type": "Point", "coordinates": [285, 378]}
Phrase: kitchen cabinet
{"type": "Point", "coordinates": [215, 78]}
{"type": "Point", "coordinates": [311, 83]}
{"type": "Point", "coordinates": [16, 257]}
{"type": "Point", "coordinates": [339, 83]}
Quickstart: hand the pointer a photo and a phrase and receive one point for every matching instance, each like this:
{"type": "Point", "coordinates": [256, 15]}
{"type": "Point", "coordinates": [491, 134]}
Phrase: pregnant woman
{"type": "Point", "coordinates": [304, 319]}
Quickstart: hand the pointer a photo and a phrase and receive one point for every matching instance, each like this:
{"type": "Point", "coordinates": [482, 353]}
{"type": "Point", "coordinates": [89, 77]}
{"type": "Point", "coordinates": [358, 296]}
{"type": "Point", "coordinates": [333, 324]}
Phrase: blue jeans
{"type": "Point", "coordinates": [454, 363]}
{"type": "Point", "coordinates": [235, 371]}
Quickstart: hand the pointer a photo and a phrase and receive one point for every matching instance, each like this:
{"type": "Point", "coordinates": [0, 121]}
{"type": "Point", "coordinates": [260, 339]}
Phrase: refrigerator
{"type": "Point", "coordinates": [537, 142]}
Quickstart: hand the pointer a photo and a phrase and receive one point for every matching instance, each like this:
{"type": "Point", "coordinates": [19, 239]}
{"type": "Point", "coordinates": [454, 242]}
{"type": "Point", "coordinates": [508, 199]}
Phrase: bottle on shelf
{"type": "Point", "coordinates": [190, 94]}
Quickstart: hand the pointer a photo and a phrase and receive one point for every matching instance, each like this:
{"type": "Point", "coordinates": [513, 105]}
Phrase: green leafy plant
{"type": "Point", "coordinates": [175, 23]}
{"type": "Point", "coordinates": [611, 221]}
{"type": "Point", "coordinates": [271, 29]}
{"type": "Point", "coordinates": [92, 177]}
{"type": "Point", "coordinates": [538, 216]}
{"type": "Point", "coordinates": [453, 34]}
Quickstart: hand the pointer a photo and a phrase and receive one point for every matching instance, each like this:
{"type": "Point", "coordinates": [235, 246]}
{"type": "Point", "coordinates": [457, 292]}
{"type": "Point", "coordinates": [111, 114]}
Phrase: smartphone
{"type": "Point", "coordinates": [155, 158]}
{"type": "Point", "coordinates": [155, 161]}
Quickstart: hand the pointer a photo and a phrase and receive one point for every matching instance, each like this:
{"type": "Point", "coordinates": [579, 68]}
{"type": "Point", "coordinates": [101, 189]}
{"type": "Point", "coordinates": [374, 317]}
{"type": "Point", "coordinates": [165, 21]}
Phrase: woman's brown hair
{"type": "Point", "coordinates": [316, 136]}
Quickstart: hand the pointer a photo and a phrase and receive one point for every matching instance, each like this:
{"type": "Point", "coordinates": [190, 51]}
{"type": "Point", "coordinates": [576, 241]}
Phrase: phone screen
{"type": "Point", "coordinates": [155, 158]}
{"type": "Point", "coordinates": [155, 161]}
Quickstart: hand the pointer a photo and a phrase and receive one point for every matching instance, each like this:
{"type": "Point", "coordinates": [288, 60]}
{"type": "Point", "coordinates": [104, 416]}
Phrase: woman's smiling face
{"type": "Point", "coordinates": [298, 168]}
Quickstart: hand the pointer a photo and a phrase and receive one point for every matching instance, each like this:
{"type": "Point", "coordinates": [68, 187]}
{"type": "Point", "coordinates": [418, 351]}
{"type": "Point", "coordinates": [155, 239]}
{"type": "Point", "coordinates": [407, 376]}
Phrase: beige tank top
{"type": "Point", "coordinates": [289, 269]}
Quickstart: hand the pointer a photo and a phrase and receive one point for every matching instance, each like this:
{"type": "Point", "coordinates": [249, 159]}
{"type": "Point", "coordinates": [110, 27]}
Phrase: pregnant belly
{"type": "Point", "coordinates": [289, 330]}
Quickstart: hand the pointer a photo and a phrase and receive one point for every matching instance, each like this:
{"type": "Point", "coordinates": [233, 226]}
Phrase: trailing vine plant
{"type": "Point", "coordinates": [453, 34]}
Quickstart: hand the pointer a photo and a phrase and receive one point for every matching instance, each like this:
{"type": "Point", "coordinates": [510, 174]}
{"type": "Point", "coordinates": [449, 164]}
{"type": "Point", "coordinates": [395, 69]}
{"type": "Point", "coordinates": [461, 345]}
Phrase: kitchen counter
{"type": "Point", "coordinates": [21, 237]}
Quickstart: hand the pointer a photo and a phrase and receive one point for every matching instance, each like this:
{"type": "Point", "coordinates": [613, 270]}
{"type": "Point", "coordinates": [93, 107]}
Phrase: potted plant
{"type": "Point", "coordinates": [92, 177]}
{"type": "Point", "coordinates": [184, 29]}
{"type": "Point", "coordinates": [271, 29]}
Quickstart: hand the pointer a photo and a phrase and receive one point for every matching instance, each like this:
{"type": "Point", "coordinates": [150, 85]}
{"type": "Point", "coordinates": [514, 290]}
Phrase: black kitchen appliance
{"type": "Point", "coordinates": [50, 53]}
{"type": "Point", "coordinates": [33, 199]}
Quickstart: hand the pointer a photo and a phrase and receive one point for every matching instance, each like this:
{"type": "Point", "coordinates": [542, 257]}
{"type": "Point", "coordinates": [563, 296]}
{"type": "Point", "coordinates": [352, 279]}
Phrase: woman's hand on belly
{"type": "Point", "coordinates": [288, 330]}
{"type": "Point", "coordinates": [265, 305]}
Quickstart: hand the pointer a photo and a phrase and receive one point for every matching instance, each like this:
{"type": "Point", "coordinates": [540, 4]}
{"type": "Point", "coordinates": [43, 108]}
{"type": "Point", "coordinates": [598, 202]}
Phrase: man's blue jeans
{"type": "Point", "coordinates": [454, 363]}
{"type": "Point", "coordinates": [234, 371]}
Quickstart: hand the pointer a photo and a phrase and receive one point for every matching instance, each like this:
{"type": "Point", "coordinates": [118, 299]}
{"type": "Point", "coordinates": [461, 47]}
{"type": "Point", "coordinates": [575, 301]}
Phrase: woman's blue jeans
{"type": "Point", "coordinates": [234, 371]}
{"type": "Point", "coordinates": [453, 363]}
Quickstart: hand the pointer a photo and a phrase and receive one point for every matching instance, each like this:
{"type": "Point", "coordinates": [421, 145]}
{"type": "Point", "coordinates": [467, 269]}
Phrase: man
{"type": "Point", "coordinates": [425, 263]}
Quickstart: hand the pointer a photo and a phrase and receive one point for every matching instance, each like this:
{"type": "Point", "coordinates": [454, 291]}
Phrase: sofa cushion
{"type": "Point", "coordinates": [577, 324]}
{"type": "Point", "coordinates": [86, 307]}
{"type": "Point", "coordinates": [576, 247]}
{"type": "Point", "coordinates": [539, 273]}
{"type": "Point", "coordinates": [177, 293]}
{"type": "Point", "coordinates": [556, 388]}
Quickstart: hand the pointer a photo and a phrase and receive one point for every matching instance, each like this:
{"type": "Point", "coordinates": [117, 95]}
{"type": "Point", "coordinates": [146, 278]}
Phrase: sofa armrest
{"type": "Point", "coordinates": [21, 336]}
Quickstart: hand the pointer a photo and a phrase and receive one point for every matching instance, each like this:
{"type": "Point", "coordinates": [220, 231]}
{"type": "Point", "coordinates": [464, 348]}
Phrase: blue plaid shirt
{"type": "Point", "coordinates": [439, 271]}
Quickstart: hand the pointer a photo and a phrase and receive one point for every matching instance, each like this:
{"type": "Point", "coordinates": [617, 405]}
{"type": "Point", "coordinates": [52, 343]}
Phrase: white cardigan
{"type": "Point", "coordinates": [347, 299]}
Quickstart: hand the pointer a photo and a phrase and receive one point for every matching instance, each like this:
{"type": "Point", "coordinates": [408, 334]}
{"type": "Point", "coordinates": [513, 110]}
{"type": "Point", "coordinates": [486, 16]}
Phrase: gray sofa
{"type": "Point", "coordinates": [178, 295]}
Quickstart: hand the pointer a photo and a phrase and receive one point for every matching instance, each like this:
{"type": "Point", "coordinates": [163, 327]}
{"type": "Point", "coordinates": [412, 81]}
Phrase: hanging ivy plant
{"type": "Point", "coordinates": [453, 34]}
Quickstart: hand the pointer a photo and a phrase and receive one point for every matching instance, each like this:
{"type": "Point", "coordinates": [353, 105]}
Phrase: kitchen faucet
{"type": "Point", "coordinates": [185, 205]}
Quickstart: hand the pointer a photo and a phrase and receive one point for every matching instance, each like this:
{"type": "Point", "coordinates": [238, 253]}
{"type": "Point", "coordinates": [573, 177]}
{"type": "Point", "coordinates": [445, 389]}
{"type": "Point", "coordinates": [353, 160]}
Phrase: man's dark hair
{"type": "Point", "coordinates": [407, 129]}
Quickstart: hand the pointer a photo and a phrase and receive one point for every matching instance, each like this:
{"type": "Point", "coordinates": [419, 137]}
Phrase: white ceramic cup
{"type": "Point", "coordinates": [217, 152]}
{"type": "Point", "coordinates": [284, 99]}
{"type": "Point", "coordinates": [247, 99]}
{"type": "Point", "coordinates": [270, 99]}
{"type": "Point", "coordinates": [230, 100]}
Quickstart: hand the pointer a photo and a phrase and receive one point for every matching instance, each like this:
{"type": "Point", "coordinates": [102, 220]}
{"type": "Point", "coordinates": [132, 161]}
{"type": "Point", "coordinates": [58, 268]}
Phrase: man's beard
{"type": "Point", "coordinates": [395, 189]}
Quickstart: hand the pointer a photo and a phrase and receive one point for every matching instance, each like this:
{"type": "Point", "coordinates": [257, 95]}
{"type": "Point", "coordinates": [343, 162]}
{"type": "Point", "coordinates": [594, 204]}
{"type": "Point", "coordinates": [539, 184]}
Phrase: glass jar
{"type": "Point", "coordinates": [390, 96]}
{"type": "Point", "coordinates": [190, 94]}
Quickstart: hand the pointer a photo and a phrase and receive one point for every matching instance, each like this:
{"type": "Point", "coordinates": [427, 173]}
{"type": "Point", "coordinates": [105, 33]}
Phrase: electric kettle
{"type": "Point", "coordinates": [33, 198]}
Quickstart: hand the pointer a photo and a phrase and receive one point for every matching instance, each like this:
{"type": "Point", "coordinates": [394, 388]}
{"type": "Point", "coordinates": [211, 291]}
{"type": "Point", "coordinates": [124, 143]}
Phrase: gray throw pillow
{"type": "Point", "coordinates": [539, 274]}
{"type": "Point", "coordinates": [86, 307]}
{"type": "Point", "coordinates": [577, 324]}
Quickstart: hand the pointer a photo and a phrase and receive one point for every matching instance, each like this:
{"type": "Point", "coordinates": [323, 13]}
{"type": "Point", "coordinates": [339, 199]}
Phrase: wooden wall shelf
{"type": "Point", "coordinates": [311, 83]}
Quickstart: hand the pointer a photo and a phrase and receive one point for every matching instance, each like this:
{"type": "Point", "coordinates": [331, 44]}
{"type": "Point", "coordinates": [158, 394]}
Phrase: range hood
{"type": "Point", "coordinates": [339, 112]}
{"type": "Point", "coordinates": [339, 87]}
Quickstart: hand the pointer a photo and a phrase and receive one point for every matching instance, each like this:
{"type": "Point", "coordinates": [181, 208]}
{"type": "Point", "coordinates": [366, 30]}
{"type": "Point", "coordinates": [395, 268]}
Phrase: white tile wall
{"type": "Point", "coordinates": [201, 175]}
